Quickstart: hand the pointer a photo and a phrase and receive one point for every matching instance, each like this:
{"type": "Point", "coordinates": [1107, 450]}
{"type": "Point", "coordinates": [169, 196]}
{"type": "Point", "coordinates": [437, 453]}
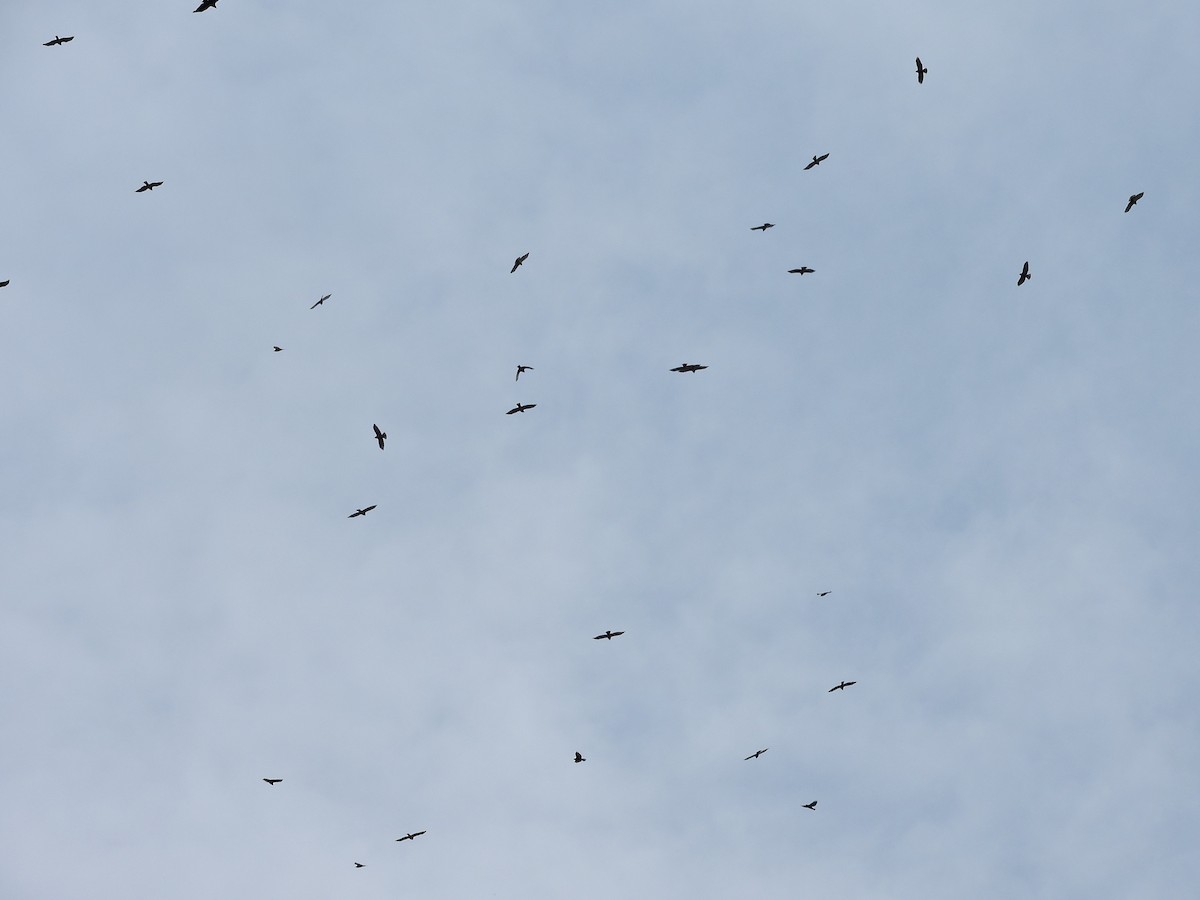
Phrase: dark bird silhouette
{"type": "Point", "coordinates": [812, 806]}
{"type": "Point", "coordinates": [359, 866]}
{"type": "Point", "coordinates": [816, 161]}
{"type": "Point", "coordinates": [58, 40]}
{"type": "Point", "coordinates": [689, 367]}
{"type": "Point", "coordinates": [824, 593]}
{"type": "Point", "coordinates": [803, 270]}
{"type": "Point", "coordinates": [921, 72]}
{"type": "Point", "coordinates": [763, 227]}
{"type": "Point", "coordinates": [322, 300]}
{"type": "Point", "coordinates": [520, 407]}
{"type": "Point", "coordinates": [521, 369]}
{"type": "Point", "coordinates": [272, 781]}
{"type": "Point", "coordinates": [757, 754]}
{"type": "Point", "coordinates": [411, 836]}
{"type": "Point", "coordinates": [608, 635]}
{"type": "Point", "coordinates": [841, 687]}
{"type": "Point", "coordinates": [361, 512]}
{"type": "Point", "coordinates": [1025, 276]}
{"type": "Point", "coordinates": [148, 186]}
{"type": "Point", "coordinates": [277, 349]}
{"type": "Point", "coordinates": [520, 260]}
{"type": "Point", "coordinates": [380, 436]}
{"type": "Point", "coordinates": [205, 4]}
{"type": "Point", "coordinates": [579, 757]}
{"type": "Point", "coordinates": [1133, 199]}
{"type": "Point", "coordinates": [4, 283]}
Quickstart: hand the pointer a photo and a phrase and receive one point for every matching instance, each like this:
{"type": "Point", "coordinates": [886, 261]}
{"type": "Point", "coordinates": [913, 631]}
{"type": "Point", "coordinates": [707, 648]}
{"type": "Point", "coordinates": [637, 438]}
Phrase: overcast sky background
{"type": "Point", "coordinates": [998, 484]}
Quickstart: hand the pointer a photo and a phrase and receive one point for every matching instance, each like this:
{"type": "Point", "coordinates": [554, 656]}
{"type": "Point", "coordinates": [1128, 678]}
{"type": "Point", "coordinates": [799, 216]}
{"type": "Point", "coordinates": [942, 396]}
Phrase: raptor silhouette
{"type": "Point", "coordinates": [148, 186]}
{"type": "Point", "coordinates": [689, 367]}
{"type": "Point", "coordinates": [1025, 276]}
{"type": "Point", "coordinates": [520, 407]}
{"type": "Point", "coordinates": [361, 512]}
{"type": "Point", "coordinates": [841, 687]}
{"type": "Point", "coordinates": [757, 753]}
{"type": "Point", "coordinates": [380, 436]}
{"type": "Point", "coordinates": [816, 161]}
{"type": "Point", "coordinates": [608, 635]}
{"type": "Point", "coordinates": [518, 262]}
{"type": "Point", "coordinates": [58, 40]}
{"type": "Point", "coordinates": [921, 72]}
{"type": "Point", "coordinates": [1133, 199]}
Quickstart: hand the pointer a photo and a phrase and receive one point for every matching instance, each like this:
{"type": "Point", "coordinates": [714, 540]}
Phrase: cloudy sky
{"type": "Point", "coordinates": [997, 484]}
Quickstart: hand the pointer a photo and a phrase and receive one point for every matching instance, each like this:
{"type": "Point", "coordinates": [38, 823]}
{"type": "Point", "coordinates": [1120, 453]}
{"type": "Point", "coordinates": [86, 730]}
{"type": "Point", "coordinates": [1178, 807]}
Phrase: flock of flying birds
{"type": "Point", "coordinates": [380, 436]}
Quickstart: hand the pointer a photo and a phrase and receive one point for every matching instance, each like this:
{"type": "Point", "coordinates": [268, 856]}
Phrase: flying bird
{"type": "Point", "coordinates": [816, 161]}
{"type": "Point", "coordinates": [803, 270]}
{"type": "Point", "coordinates": [58, 40]}
{"type": "Point", "coordinates": [841, 687]}
{"type": "Point", "coordinates": [1133, 199]}
{"type": "Point", "coordinates": [411, 836]}
{"type": "Point", "coordinates": [608, 635]}
{"type": "Point", "coordinates": [148, 186]}
{"type": "Point", "coordinates": [322, 300]}
{"type": "Point", "coordinates": [4, 283]}
{"type": "Point", "coordinates": [689, 367]}
{"type": "Point", "coordinates": [921, 72]}
{"type": "Point", "coordinates": [380, 436]}
{"type": "Point", "coordinates": [763, 227]}
{"type": "Point", "coordinates": [579, 757]}
{"type": "Point", "coordinates": [359, 866]}
{"type": "Point", "coordinates": [812, 806]}
{"type": "Point", "coordinates": [824, 593]}
{"type": "Point", "coordinates": [518, 262]}
{"type": "Point", "coordinates": [520, 407]}
{"type": "Point", "coordinates": [757, 754]}
{"type": "Point", "coordinates": [272, 781]}
{"type": "Point", "coordinates": [205, 4]}
{"type": "Point", "coordinates": [521, 369]}
{"type": "Point", "coordinates": [1025, 276]}
{"type": "Point", "coordinates": [277, 349]}
{"type": "Point", "coordinates": [361, 512]}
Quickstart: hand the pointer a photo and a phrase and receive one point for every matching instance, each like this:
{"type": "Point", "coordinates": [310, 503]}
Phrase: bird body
{"type": "Point", "coordinates": [921, 72]}
{"type": "Point", "coordinates": [579, 757]}
{"type": "Point", "coordinates": [518, 262]}
{"type": "Point", "coordinates": [803, 270]}
{"type": "Point", "coordinates": [205, 4]}
{"type": "Point", "coordinates": [148, 186]}
{"type": "Point", "coordinates": [359, 866]}
{"type": "Point", "coordinates": [361, 512]}
{"type": "Point", "coordinates": [322, 300]}
{"type": "Point", "coordinates": [608, 635]}
{"type": "Point", "coordinates": [757, 754]}
{"type": "Point", "coordinates": [411, 836]}
{"type": "Point", "coordinates": [816, 161]}
{"type": "Point", "coordinates": [521, 369]}
{"type": "Point", "coordinates": [277, 349]}
{"type": "Point", "coordinates": [380, 436]}
{"type": "Point", "coordinates": [812, 806]}
{"type": "Point", "coordinates": [1025, 276]}
{"type": "Point", "coordinates": [272, 781]}
{"type": "Point", "coordinates": [58, 40]}
{"type": "Point", "coordinates": [689, 367]}
{"type": "Point", "coordinates": [763, 227]}
{"type": "Point", "coordinates": [841, 687]}
{"type": "Point", "coordinates": [1133, 199]}
{"type": "Point", "coordinates": [520, 407]}
{"type": "Point", "coordinates": [4, 283]}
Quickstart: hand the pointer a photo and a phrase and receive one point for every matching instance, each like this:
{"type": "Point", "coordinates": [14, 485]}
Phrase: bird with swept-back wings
{"type": "Point", "coordinates": [518, 262]}
{"type": "Point", "coordinates": [380, 436]}
{"type": "Point", "coordinates": [921, 72]}
{"type": "Point", "coordinates": [58, 41]}
{"type": "Point", "coordinates": [277, 349]}
{"type": "Point", "coordinates": [520, 407]}
{"type": "Point", "coordinates": [361, 512]}
{"type": "Point", "coordinates": [205, 4]}
{"type": "Point", "coordinates": [411, 836]}
{"type": "Point", "coordinates": [763, 227]}
{"type": "Point", "coordinates": [812, 806]}
{"type": "Point", "coordinates": [803, 270]}
{"type": "Point", "coordinates": [1133, 199]}
{"type": "Point", "coordinates": [757, 753]}
{"type": "Point", "coordinates": [321, 301]}
{"type": "Point", "coordinates": [608, 635]}
{"type": "Point", "coordinates": [816, 161]}
{"type": "Point", "coordinates": [579, 757]}
{"type": "Point", "coordinates": [148, 186]}
{"type": "Point", "coordinates": [1025, 275]}
{"type": "Point", "coordinates": [521, 369]}
{"type": "Point", "coordinates": [841, 687]}
{"type": "Point", "coordinates": [272, 781]}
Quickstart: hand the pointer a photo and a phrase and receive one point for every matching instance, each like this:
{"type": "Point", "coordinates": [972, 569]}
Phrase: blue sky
{"type": "Point", "coordinates": [996, 483]}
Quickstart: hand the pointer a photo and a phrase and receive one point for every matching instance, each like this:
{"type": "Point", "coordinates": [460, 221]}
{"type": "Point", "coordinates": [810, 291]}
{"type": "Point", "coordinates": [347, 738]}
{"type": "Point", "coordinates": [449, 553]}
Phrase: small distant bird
{"type": "Point", "coordinates": [411, 836]}
{"type": "Point", "coordinates": [205, 4]}
{"type": "Point", "coordinates": [824, 593]}
{"type": "Point", "coordinates": [803, 270]}
{"type": "Point", "coordinates": [1025, 276]}
{"type": "Point", "coordinates": [4, 283]}
{"type": "Point", "coordinates": [380, 436]}
{"type": "Point", "coordinates": [57, 40]}
{"type": "Point", "coordinates": [521, 369]}
{"type": "Point", "coordinates": [763, 227]}
{"type": "Point", "coordinates": [841, 687]}
{"type": "Point", "coordinates": [757, 754]}
{"type": "Point", "coordinates": [148, 186]}
{"type": "Point", "coordinates": [812, 806]}
{"type": "Point", "coordinates": [520, 407]}
{"type": "Point", "coordinates": [579, 757]}
{"type": "Point", "coordinates": [322, 300]}
{"type": "Point", "coordinates": [272, 781]}
{"type": "Point", "coordinates": [518, 262]}
{"type": "Point", "coordinates": [277, 349]}
{"type": "Point", "coordinates": [816, 161]}
{"type": "Point", "coordinates": [359, 866]}
{"type": "Point", "coordinates": [689, 367]}
{"type": "Point", "coordinates": [921, 72]}
{"type": "Point", "coordinates": [1133, 199]}
{"type": "Point", "coordinates": [608, 635]}
{"type": "Point", "coordinates": [361, 512]}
